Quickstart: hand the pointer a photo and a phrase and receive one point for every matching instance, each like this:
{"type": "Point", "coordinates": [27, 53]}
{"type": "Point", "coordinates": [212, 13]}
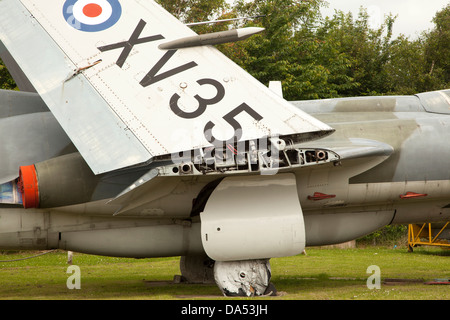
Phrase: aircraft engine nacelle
{"type": "Point", "coordinates": [61, 181]}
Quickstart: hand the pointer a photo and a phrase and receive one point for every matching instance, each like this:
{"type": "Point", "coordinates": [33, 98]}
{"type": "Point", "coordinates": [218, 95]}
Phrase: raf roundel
{"type": "Point", "coordinates": [92, 15]}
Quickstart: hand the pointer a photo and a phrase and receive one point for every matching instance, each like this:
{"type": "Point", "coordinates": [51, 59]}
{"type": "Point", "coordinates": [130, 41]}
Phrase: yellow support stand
{"type": "Point", "coordinates": [427, 234]}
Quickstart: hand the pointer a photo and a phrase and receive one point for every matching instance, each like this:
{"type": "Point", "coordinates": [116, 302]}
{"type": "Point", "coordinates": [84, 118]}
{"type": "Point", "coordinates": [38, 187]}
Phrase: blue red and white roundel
{"type": "Point", "coordinates": [92, 15]}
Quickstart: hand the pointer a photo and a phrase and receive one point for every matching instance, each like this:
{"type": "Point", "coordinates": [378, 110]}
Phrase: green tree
{"type": "Point", "coordinates": [314, 57]}
{"type": "Point", "coordinates": [278, 54]}
{"type": "Point", "coordinates": [422, 64]}
{"type": "Point", "coordinates": [6, 81]}
{"type": "Point", "coordinates": [190, 11]}
{"type": "Point", "coordinates": [437, 47]}
{"type": "Point", "coordinates": [364, 51]}
{"type": "Point", "coordinates": [317, 57]}
{"type": "Point", "coordinates": [405, 68]}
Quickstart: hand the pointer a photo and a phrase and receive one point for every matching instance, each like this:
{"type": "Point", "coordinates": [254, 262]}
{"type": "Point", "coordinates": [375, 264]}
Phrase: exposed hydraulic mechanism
{"type": "Point", "coordinates": [248, 157]}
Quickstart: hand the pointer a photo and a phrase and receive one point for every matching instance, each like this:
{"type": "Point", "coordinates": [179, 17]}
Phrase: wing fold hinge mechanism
{"type": "Point", "coordinates": [257, 156]}
{"type": "Point", "coordinates": [261, 158]}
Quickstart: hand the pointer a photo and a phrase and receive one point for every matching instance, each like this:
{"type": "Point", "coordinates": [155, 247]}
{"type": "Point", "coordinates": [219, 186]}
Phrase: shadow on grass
{"type": "Point", "coordinates": [317, 282]}
{"type": "Point", "coordinates": [287, 288]}
{"type": "Point", "coordinates": [436, 252]}
{"type": "Point", "coordinates": [182, 290]}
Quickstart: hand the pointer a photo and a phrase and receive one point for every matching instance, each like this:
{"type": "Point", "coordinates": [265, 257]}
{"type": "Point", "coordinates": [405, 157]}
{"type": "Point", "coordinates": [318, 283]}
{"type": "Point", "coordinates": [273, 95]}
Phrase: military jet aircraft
{"type": "Point", "coordinates": [138, 138]}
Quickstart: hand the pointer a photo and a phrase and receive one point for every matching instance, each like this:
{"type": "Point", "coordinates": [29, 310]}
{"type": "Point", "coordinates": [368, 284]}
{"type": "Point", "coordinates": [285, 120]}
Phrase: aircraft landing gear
{"type": "Point", "coordinates": [244, 278]}
{"type": "Point", "coordinates": [196, 269]}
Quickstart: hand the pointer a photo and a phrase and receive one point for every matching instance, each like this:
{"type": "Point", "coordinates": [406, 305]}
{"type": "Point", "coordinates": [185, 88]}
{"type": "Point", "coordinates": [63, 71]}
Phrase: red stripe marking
{"type": "Point", "coordinates": [321, 196]}
{"type": "Point", "coordinates": [412, 195]}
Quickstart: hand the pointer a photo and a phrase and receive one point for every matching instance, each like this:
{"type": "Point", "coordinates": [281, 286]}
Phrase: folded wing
{"type": "Point", "coordinates": [121, 99]}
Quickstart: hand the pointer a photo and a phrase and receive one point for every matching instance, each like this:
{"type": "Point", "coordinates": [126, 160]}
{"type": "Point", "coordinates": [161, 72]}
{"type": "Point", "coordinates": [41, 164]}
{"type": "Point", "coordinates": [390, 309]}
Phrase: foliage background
{"type": "Point", "coordinates": [327, 57]}
{"type": "Point", "coordinates": [6, 81]}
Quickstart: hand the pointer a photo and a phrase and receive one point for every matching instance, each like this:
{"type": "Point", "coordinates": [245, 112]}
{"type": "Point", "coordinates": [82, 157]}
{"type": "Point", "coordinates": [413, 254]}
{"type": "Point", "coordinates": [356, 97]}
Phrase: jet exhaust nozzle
{"type": "Point", "coordinates": [28, 186]}
{"type": "Point", "coordinates": [61, 181]}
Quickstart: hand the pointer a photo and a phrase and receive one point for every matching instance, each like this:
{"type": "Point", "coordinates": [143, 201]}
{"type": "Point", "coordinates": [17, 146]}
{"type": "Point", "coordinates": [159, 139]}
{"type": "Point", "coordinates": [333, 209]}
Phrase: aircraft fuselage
{"type": "Point", "coordinates": [340, 202]}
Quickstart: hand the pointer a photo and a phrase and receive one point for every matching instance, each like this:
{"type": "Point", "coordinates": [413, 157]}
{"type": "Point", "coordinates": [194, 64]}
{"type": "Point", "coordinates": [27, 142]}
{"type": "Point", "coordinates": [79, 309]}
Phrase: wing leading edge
{"type": "Point", "coordinates": [121, 99]}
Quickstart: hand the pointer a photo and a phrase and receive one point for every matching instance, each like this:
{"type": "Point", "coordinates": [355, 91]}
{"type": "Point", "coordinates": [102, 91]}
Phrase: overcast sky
{"type": "Point", "coordinates": [413, 16]}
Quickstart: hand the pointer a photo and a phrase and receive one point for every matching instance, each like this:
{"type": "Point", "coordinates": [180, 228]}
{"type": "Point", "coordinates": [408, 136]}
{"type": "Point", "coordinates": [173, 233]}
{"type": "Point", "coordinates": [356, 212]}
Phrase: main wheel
{"type": "Point", "coordinates": [244, 278]}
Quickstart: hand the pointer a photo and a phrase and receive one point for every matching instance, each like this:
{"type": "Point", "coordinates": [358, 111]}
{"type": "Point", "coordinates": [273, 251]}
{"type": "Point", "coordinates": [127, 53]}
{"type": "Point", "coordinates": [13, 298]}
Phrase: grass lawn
{"type": "Point", "coordinates": [321, 274]}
